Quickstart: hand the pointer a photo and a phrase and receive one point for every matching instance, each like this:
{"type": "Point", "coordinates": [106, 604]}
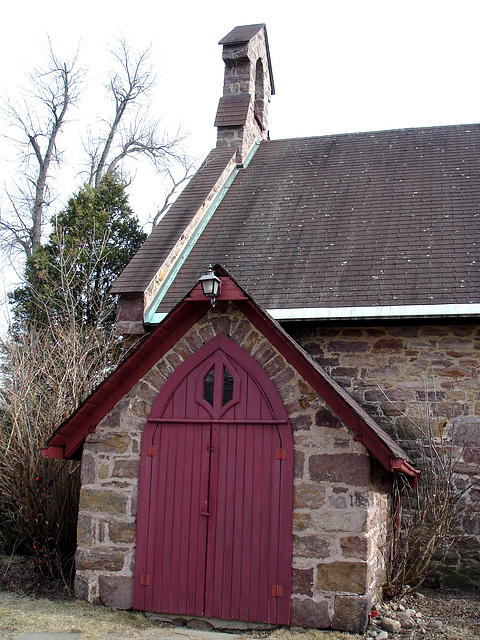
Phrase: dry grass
{"type": "Point", "coordinates": [21, 615]}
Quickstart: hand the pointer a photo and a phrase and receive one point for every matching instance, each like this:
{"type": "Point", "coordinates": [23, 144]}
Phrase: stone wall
{"type": "Point", "coordinates": [415, 373]}
{"type": "Point", "coordinates": [341, 507]}
{"type": "Point", "coordinates": [108, 504]}
{"type": "Point", "coordinates": [341, 500]}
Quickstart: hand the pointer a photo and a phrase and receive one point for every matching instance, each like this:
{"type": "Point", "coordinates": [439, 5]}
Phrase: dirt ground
{"type": "Point", "coordinates": [457, 613]}
{"type": "Point", "coordinates": [18, 575]}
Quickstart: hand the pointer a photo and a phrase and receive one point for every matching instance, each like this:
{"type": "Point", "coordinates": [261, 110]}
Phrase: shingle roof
{"type": "Point", "coordinates": [232, 110]}
{"type": "Point", "coordinates": [382, 218]}
{"type": "Point", "coordinates": [241, 34]}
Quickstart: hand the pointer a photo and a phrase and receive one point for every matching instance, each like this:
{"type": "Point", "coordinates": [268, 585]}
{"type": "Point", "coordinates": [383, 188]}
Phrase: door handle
{"type": "Point", "coordinates": [204, 513]}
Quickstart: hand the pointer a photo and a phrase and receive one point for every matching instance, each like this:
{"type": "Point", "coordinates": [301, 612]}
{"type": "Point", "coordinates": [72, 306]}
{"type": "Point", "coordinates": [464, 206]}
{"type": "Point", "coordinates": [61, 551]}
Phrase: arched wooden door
{"type": "Point", "coordinates": [215, 494]}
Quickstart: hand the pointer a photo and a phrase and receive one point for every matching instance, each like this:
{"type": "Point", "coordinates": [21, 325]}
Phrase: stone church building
{"type": "Point", "coordinates": [239, 463]}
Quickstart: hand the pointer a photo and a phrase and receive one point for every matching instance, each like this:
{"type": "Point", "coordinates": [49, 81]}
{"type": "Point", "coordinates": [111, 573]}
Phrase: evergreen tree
{"type": "Point", "coordinates": [68, 279]}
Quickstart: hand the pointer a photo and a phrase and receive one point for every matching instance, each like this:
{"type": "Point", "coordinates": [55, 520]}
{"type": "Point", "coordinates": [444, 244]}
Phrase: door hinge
{"type": "Point", "coordinates": [145, 581]}
{"type": "Point", "coordinates": [151, 451]}
{"type": "Point", "coordinates": [280, 454]}
{"type": "Point", "coordinates": [277, 590]}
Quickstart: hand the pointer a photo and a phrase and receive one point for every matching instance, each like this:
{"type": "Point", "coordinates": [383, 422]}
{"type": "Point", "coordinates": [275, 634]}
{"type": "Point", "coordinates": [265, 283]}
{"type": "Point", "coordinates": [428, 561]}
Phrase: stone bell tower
{"type": "Point", "coordinates": [242, 115]}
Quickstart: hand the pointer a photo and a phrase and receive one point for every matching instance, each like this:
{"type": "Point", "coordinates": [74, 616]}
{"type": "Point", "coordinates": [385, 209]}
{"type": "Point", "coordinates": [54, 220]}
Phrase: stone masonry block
{"type": "Point", "coordinates": [250, 342]}
{"type": "Point", "coordinates": [144, 391]}
{"type": "Point", "coordinates": [307, 390]}
{"type": "Point", "coordinates": [126, 468]}
{"type": "Point", "coordinates": [85, 531]}
{"type": "Point", "coordinates": [337, 502]}
{"type": "Point", "coordinates": [112, 443]}
{"type": "Point", "coordinates": [106, 501]}
{"type": "Point", "coordinates": [347, 468]}
{"type": "Point", "coordinates": [354, 547]}
{"type": "Point", "coordinates": [116, 591]}
{"type": "Point", "coordinates": [240, 332]}
{"type": "Point", "coordinates": [194, 340]}
{"type": "Point", "coordinates": [342, 521]}
{"type": "Point", "coordinates": [298, 463]}
{"type": "Point", "coordinates": [103, 471]}
{"type": "Point", "coordinates": [325, 418]}
{"type": "Point", "coordinates": [274, 366]}
{"type": "Point", "coordinates": [111, 420]}
{"type": "Point", "coordinates": [391, 345]}
{"type": "Point", "coordinates": [349, 346]}
{"type": "Point", "coordinates": [301, 521]}
{"type": "Point", "coordinates": [123, 532]}
{"type": "Point", "coordinates": [182, 350]}
{"type": "Point", "coordinates": [351, 613]}
{"type": "Point", "coordinates": [221, 324]}
{"type": "Point", "coordinates": [301, 423]}
{"type": "Point", "coordinates": [302, 581]}
{"type": "Point", "coordinates": [99, 559]}
{"type": "Point", "coordinates": [86, 588]}
{"type": "Point", "coordinates": [349, 577]}
{"type": "Point", "coordinates": [310, 614]}
{"type": "Point", "coordinates": [141, 408]}
{"type": "Point", "coordinates": [89, 466]}
{"type": "Point", "coordinates": [206, 333]}
{"type": "Point", "coordinates": [283, 377]}
{"type": "Point", "coordinates": [289, 394]}
{"type": "Point", "coordinates": [308, 495]}
{"type": "Point", "coordinates": [155, 378]}
{"type": "Point", "coordinates": [311, 546]}
{"type": "Point", "coordinates": [174, 359]}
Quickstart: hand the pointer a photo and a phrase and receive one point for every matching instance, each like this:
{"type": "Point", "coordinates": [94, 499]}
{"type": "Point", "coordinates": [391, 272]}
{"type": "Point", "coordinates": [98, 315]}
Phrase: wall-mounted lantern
{"type": "Point", "coordinates": [210, 285]}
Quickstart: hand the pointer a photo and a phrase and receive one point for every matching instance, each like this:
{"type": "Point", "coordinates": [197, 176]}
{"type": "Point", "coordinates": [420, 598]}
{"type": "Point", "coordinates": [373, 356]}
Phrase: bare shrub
{"type": "Point", "coordinates": [429, 520]}
{"type": "Point", "coordinates": [46, 373]}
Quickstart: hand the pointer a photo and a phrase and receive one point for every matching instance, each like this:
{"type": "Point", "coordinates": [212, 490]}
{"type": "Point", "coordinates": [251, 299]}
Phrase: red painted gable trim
{"type": "Point", "coordinates": [70, 435]}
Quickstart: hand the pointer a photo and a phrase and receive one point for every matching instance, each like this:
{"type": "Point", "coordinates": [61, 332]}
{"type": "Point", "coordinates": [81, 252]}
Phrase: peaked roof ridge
{"type": "Point", "coordinates": [373, 132]}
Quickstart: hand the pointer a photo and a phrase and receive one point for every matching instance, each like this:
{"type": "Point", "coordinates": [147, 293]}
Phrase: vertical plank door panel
{"type": "Point", "coordinates": [215, 505]}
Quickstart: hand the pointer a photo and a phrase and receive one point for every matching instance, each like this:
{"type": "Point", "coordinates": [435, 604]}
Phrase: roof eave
{"type": "Point", "coordinates": [392, 312]}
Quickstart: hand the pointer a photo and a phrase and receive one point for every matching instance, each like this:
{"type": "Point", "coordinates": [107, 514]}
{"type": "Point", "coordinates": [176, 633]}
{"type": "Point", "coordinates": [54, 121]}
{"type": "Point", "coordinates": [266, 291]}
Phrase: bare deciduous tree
{"type": "Point", "coordinates": [35, 124]}
{"type": "Point", "coordinates": [131, 132]}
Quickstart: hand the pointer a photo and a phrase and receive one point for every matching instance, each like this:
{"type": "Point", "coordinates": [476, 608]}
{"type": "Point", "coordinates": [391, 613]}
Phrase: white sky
{"type": "Point", "coordinates": [339, 66]}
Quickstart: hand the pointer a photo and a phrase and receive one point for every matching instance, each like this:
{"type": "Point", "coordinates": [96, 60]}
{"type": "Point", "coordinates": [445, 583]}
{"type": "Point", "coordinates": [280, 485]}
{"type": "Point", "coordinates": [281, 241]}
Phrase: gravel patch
{"type": "Point", "coordinates": [429, 615]}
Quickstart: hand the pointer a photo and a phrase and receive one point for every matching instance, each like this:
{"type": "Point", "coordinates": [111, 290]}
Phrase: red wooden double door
{"type": "Point", "coordinates": [215, 493]}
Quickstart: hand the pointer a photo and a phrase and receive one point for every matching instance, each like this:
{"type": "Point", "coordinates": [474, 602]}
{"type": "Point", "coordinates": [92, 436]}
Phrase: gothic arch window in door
{"type": "Point", "coordinates": [219, 385]}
